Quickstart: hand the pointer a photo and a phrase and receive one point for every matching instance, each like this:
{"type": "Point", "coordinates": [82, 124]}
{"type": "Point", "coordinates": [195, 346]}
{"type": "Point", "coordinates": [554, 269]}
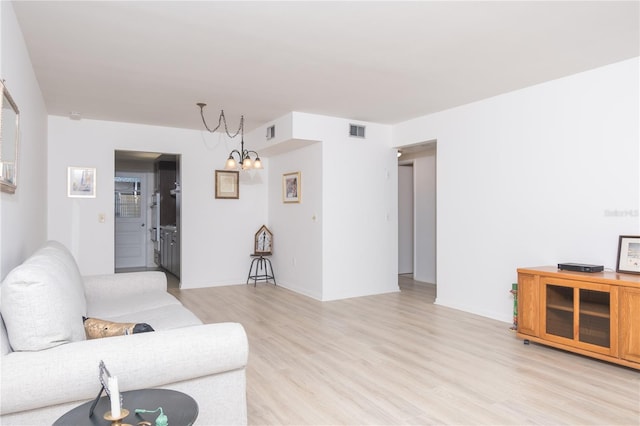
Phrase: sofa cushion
{"type": "Point", "coordinates": [162, 318]}
{"type": "Point", "coordinates": [43, 300]}
{"type": "Point", "coordinates": [119, 305]}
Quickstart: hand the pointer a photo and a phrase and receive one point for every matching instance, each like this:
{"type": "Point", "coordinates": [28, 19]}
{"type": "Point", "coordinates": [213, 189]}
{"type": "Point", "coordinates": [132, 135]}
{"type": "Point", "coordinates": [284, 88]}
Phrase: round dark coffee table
{"type": "Point", "coordinates": [180, 409]}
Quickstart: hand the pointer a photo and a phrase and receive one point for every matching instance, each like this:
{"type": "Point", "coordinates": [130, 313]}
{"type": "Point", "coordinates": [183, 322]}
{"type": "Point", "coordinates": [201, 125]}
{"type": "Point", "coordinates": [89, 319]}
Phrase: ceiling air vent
{"type": "Point", "coordinates": [271, 132]}
{"type": "Point", "coordinates": [356, 131]}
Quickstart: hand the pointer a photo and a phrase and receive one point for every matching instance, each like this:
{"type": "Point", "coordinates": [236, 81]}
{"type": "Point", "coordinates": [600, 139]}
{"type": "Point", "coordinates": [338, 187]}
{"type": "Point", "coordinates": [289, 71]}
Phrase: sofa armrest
{"type": "Point", "coordinates": [69, 372]}
{"type": "Point", "coordinates": [110, 286]}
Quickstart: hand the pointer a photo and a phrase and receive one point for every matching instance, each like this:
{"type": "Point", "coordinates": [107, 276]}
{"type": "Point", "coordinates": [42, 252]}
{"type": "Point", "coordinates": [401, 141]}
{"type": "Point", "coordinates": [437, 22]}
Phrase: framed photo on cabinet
{"type": "Point", "coordinates": [628, 254]}
{"type": "Point", "coordinates": [291, 187]}
{"type": "Point", "coordinates": [227, 184]}
{"type": "Point", "coordinates": [81, 182]}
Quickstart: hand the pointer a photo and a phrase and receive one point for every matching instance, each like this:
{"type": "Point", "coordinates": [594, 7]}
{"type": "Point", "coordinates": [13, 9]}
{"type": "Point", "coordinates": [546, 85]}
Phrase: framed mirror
{"type": "Point", "coordinates": [9, 135]}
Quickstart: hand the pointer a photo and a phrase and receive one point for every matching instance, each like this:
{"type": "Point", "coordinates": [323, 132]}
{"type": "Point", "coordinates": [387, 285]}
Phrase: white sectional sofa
{"type": "Point", "coordinates": [49, 367]}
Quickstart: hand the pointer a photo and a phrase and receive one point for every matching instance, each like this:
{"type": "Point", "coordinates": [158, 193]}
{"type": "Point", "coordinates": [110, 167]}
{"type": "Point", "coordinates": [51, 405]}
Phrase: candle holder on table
{"type": "Point", "coordinates": [117, 421]}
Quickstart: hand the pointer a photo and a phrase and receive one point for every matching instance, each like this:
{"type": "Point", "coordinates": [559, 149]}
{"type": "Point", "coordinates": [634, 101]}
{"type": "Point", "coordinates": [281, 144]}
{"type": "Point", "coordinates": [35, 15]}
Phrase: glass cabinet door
{"type": "Point", "coordinates": [595, 321]}
{"type": "Point", "coordinates": [560, 307]}
{"type": "Point", "coordinates": [579, 314]}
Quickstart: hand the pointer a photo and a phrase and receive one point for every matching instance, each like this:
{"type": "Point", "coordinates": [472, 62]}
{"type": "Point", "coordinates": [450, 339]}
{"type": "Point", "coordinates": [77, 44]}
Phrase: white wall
{"type": "Point", "coordinates": [23, 214]}
{"type": "Point", "coordinates": [528, 178]}
{"type": "Point", "coordinates": [217, 234]}
{"type": "Point", "coordinates": [405, 220]}
{"type": "Point", "coordinates": [297, 227]}
{"type": "Point", "coordinates": [359, 208]}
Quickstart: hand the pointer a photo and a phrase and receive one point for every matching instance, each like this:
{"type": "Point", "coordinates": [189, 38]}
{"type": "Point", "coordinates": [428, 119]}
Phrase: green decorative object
{"type": "Point", "coordinates": [161, 420]}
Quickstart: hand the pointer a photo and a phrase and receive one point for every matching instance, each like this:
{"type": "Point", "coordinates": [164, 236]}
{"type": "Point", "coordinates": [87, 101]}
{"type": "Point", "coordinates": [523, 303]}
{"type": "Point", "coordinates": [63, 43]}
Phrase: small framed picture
{"type": "Point", "coordinates": [81, 182]}
{"type": "Point", "coordinates": [291, 187]}
{"type": "Point", "coordinates": [628, 254]}
{"type": "Point", "coordinates": [227, 184]}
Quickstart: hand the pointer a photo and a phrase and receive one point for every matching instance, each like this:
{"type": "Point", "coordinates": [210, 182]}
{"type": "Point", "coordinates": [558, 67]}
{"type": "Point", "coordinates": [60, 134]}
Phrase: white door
{"type": "Point", "coordinates": [405, 219]}
{"type": "Point", "coordinates": [130, 216]}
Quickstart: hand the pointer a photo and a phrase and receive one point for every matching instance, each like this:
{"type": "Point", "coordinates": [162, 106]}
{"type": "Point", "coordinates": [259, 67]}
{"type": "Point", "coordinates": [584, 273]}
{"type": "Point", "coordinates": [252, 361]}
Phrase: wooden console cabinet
{"type": "Point", "coordinates": [593, 314]}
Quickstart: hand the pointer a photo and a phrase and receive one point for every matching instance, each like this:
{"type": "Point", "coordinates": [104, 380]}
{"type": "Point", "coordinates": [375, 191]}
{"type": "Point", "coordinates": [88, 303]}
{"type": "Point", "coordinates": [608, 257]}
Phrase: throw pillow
{"type": "Point", "coordinates": [43, 300]}
{"type": "Point", "coordinates": [96, 328]}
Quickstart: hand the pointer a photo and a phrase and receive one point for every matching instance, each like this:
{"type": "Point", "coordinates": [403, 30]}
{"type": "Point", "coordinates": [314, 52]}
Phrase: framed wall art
{"type": "Point", "coordinates": [628, 254]}
{"type": "Point", "coordinates": [227, 184]}
{"type": "Point", "coordinates": [291, 187]}
{"type": "Point", "coordinates": [9, 137]}
{"type": "Point", "coordinates": [81, 182]}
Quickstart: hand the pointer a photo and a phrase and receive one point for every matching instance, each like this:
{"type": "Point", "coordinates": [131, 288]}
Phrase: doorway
{"type": "Point", "coordinates": [147, 203]}
{"type": "Point", "coordinates": [417, 212]}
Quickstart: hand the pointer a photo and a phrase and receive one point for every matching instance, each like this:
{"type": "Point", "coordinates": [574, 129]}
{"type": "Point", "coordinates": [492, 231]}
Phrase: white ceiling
{"type": "Point", "coordinates": [150, 62]}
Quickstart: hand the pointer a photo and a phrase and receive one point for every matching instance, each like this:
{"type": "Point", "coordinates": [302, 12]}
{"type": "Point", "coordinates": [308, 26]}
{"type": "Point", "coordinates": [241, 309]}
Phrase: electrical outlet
{"type": "Point", "coordinates": [102, 217]}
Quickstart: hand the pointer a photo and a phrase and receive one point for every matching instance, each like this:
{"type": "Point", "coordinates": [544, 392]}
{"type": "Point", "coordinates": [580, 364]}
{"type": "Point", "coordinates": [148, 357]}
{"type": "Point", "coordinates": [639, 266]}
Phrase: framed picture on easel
{"type": "Point", "coordinates": [628, 254]}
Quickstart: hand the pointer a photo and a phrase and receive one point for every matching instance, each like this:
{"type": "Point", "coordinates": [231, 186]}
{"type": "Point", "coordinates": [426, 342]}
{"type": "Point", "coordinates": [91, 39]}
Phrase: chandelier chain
{"type": "Point", "coordinates": [222, 119]}
{"type": "Point", "coordinates": [244, 161]}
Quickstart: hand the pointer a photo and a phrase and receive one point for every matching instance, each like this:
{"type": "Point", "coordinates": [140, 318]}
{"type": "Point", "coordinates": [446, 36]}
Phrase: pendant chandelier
{"type": "Point", "coordinates": [244, 160]}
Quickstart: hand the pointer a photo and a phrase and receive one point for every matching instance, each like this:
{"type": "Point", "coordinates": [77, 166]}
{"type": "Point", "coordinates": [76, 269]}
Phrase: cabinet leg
{"type": "Point", "coordinates": [526, 341]}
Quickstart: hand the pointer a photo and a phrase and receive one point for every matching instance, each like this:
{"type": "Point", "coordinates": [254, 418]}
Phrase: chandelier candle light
{"type": "Point", "coordinates": [244, 159]}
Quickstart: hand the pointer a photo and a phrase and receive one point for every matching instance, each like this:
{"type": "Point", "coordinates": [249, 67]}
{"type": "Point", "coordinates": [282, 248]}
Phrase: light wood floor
{"type": "Point", "coordinates": [399, 359]}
